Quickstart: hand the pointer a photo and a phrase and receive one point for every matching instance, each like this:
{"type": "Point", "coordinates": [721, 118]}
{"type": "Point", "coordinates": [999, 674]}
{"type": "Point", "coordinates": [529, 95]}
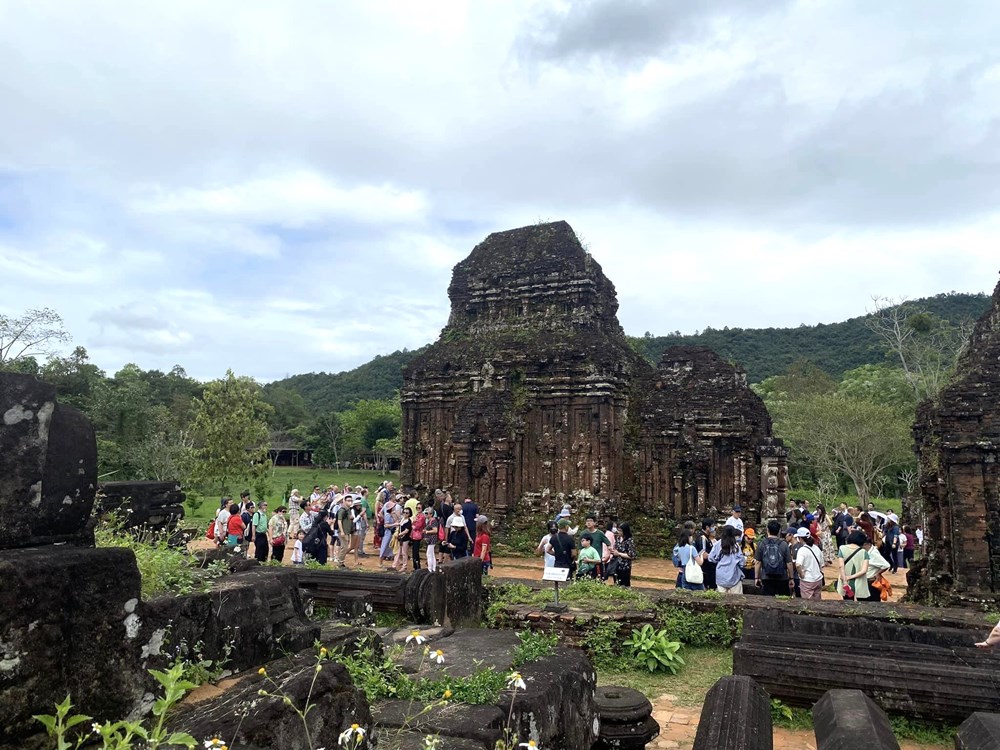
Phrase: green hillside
{"type": "Point", "coordinates": [834, 347]}
{"type": "Point", "coordinates": [761, 351]}
{"type": "Point", "coordinates": [325, 392]}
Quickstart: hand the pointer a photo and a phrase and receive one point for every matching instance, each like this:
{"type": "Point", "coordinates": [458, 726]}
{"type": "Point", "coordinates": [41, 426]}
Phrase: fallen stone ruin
{"type": "Point", "coordinates": [958, 449]}
{"type": "Point", "coordinates": [73, 622]}
{"type": "Point", "coordinates": [532, 396]}
{"type": "Point", "coordinates": [154, 505]}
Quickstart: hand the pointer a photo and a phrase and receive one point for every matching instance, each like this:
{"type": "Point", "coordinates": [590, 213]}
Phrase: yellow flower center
{"type": "Point", "coordinates": [262, 671]}
{"type": "Point", "coordinates": [355, 726]}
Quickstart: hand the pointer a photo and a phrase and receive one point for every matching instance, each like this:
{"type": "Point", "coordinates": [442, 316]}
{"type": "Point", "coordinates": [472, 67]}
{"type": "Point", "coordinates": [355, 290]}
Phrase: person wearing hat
{"type": "Point", "coordinates": [809, 566]}
{"type": "Point", "coordinates": [794, 543]}
{"type": "Point", "coordinates": [482, 549]}
{"type": "Point", "coordinates": [736, 521]}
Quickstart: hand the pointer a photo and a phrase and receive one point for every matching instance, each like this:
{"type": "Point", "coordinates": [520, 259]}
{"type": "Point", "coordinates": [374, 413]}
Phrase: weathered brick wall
{"type": "Point", "coordinates": [958, 447]}
{"type": "Point", "coordinates": [532, 392]}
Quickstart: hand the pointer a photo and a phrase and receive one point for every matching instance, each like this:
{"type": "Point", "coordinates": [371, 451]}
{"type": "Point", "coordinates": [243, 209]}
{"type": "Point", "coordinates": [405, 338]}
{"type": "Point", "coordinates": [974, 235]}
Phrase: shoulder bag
{"type": "Point", "coordinates": [692, 570]}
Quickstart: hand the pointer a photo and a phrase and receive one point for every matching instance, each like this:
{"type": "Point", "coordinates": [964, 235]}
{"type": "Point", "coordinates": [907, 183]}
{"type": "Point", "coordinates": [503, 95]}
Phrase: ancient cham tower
{"type": "Point", "coordinates": [532, 396]}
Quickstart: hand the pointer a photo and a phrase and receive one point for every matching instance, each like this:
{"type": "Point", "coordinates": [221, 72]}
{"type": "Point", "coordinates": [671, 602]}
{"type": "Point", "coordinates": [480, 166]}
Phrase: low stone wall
{"type": "Point", "coordinates": [156, 505]}
{"type": "Point", "coordinates": [928, 669]}
{"type": "Point", "coordinates": [451, 596]}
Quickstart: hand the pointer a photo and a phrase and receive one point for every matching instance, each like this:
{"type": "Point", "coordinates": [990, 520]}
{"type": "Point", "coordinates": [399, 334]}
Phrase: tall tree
{"type": "Point", "coordinates": [926, 346]}
{"type": "Point", "coordinates": [230, 431]}
{"type": "Point", "coordinates": [834, 433]}
{"type": "Point", "coordinates": [36, 333]}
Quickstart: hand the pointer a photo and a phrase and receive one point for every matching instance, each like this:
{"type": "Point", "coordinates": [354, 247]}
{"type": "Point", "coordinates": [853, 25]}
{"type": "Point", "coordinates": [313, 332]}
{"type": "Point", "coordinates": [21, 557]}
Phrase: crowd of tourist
{"type": "Point", "coordinates": [789, 558]}
{"type": "Point", "coordinates": [333, 524]}
{"type": "Point", "coordinates": [405, 532]}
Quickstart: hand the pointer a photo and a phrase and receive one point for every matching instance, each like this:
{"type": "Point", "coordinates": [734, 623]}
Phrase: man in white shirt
{"type": "Point", "coordinates": [736, 521]}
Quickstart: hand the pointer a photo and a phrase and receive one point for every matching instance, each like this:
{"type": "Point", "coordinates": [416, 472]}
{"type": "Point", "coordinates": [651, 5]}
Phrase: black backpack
{"type": "Point", "coordinates": [772, 561]}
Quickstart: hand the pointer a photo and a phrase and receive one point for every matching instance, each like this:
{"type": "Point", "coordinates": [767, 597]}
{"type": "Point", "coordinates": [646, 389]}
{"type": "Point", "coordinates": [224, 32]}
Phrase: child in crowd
{"type": "Point", "coordinates": [588, 559]}
{"type": "Point", "coordinates": [297, 551]}
{"type": "Point", "coordinates": [482, 547]}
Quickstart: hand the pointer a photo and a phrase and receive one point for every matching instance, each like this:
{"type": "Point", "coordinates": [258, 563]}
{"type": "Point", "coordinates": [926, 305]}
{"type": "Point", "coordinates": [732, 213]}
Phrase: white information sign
{"type": "Point", "coordinates": [555, 574]}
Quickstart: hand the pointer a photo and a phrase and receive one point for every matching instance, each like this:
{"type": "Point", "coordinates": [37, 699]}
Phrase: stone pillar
{"type": "Point", "coordinates": [773, 457]}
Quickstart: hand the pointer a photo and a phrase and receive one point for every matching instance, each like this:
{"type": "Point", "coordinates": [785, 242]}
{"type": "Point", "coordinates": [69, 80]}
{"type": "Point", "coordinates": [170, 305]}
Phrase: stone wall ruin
{"type": "Point", "coordinates": [958, 450]}
{"type": "Point", "coordinates": [532, 396]}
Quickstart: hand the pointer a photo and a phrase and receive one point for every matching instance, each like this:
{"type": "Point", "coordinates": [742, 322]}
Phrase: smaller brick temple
{"type": "Point", "coordinates": [532, 396]}
{"type": "Point", "coordinates": [705, 441]}
{"type": "Point", "coordinates": [958, 450]}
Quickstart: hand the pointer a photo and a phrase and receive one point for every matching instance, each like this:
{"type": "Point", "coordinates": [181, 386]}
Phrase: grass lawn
{"type": "Point", "coordinates": [303, 479]}
{"type": "Point", "coordinates": [702, 668]}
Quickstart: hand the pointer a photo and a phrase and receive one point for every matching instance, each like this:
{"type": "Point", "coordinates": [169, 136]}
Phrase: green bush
{"type": "Point", "coordinates": [533, 646]}
{"type": "Point", "coordinates": [164, 569]}
{"type": "Point", "coordinates": [655, 650]}
{"type": "Point", "coordinates": [716, 627]}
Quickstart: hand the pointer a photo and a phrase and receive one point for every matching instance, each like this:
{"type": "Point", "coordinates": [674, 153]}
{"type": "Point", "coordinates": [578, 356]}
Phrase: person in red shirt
{"type": "Point", "coordinates": [483, 546]}
{"type": "Point", "coordinates": [234, 528]}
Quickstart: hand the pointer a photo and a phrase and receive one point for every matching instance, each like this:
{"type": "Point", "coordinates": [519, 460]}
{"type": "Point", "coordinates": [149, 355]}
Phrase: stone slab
{"type": "Point", "coordinates": [736, 715]}
{"type": "Point", "coordinates": [48, 466]}
{"type": "Point", "coordinates": [849, 719]}
{"type": "Point", "coordinates": [69, 624]}
{"type": "Point", "coordinates": [981, 731]}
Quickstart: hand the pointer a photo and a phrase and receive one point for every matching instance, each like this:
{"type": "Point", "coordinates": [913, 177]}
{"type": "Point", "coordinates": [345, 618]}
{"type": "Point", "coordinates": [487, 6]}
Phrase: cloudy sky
{"type": "Point", "coordinates": [283, 187]}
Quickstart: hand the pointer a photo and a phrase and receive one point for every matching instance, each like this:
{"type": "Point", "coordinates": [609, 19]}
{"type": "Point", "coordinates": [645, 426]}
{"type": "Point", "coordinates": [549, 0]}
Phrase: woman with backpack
{"type": "Point", "coordinates": [689, 561]}
{"type": "Point", "coordinates": [316, 543]}
{"type": "Point", "coordinates": [852, 567]}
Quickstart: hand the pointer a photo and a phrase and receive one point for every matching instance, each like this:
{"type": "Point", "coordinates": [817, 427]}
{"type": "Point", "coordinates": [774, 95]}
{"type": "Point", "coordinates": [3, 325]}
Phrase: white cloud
{"type": "Point", "coordinates": [284, 187]}
{"type": "Point", "coordinates": [291, 199]}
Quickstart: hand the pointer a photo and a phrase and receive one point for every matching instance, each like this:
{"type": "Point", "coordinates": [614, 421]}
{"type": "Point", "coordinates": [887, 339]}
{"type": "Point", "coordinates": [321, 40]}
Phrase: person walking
{"type": "Point", "coordinates": [460, 541]}
{"type": "Point", "coordinates": [562, 547]}
{"type": "Point", "coordinates": [729, 561]}
{"type": "Point", "coordinates": [483, 548]}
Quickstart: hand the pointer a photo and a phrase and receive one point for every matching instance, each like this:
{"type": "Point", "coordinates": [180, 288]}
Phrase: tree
{"type": "Point", "coordinates": [36, 333]}
{"type": "Point", "coordinates": [368, 421]}
{"type": "Point", "coordinates": [834, 433]}
{"type": "Point", "coordinates": [926, 346]}
{"type": "Point", "coordinates": [230, 433]}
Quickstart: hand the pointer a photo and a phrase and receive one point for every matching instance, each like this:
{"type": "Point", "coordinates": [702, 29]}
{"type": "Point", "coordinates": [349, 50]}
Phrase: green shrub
{"type": "Point", "coordinates": [655, 650]}
{"type": "Point", "coordinates": [716, 627]}
{"type": "Point", "coordinates": [534, 645]}
{"type": "Point", "coordinates": [164, 569]}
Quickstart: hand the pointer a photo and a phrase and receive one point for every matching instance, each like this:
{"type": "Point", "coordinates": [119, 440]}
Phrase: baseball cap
{"type": "Point", "coordinates": [482, 519]}
{"type": "Point", "coordinates": [737, 509]}
{"type": "Point", "coordinates": [802, 533]}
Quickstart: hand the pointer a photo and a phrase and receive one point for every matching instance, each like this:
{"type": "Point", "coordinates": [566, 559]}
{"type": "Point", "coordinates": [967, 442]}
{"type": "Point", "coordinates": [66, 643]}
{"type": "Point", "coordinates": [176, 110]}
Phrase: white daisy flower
{"type": "Point", "coordinates": [438, 656]}
{"type": "Point", "coordinates": [516, 681]}
{"type": "Point", "coordinates": [415, 636]}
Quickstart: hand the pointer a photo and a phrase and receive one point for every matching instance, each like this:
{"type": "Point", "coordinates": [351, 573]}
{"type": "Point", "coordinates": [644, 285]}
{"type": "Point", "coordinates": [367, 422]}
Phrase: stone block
{"type": "Point", "coordinates": [947, 678]}
{"type": "Point", "coordinates": [258, 615]}
{"type": "Point", "coordinates": [155, 505]}
{"type": "Point", "coordinates": [736, 715]}
{"type": "Point", "coordinates": [478, 724]}
{"type": "Point", "coordinates": [981, 731]}
{"type": "Point", "coordinates": [253, 722]}
{"type": "Point", "coordinates": [48, 466]}
{"type": "Point", "coordinates": [355, 607]}
{"type": "Point", "coordinates": [69, 625]}
{"type": "Point", "coordinates": [849, 719]}
{"type": "Point", "coordinates": [463, 592]}
{"type": "Point", "coordinates": [621, 705]}
{"type": "Point", "coordinates": [558, 710]}
{"type": "Point", "coordinates": [424, 596]}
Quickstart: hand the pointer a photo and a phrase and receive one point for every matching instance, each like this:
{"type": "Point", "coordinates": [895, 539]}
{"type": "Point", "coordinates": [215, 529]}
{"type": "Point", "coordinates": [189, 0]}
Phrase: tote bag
{"type": "Point", "coordinates": [692, 570]}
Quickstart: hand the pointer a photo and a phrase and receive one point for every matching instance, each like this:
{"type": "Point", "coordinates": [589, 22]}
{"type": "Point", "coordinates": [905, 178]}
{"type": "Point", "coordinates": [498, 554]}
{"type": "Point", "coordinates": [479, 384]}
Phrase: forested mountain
{"type": "Point", "coordinates": [328, 392]}
{"type": "Point", "coordinates": [763, 352]}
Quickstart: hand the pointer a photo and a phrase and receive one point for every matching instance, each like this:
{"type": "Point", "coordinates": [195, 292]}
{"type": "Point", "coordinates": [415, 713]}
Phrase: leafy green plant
{"type": "Point", "coordinates": [654, 649]}
{"type": "Point", "coordinates": [716, 627]}
{"type": "Point", "coordinates": [779, 711]}
{"type": "Point", "coordinates": [124, 735]}
{"type": "Point", "coordinates": [534, 645]}
{"type": "Point", "coordinates": [164, 569]}
{"type": "Point", "coordinates": [603, 645]}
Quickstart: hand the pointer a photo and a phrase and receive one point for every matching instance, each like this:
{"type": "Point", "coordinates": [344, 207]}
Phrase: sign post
{"type": "Point", "coordinates": [555, 575]}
